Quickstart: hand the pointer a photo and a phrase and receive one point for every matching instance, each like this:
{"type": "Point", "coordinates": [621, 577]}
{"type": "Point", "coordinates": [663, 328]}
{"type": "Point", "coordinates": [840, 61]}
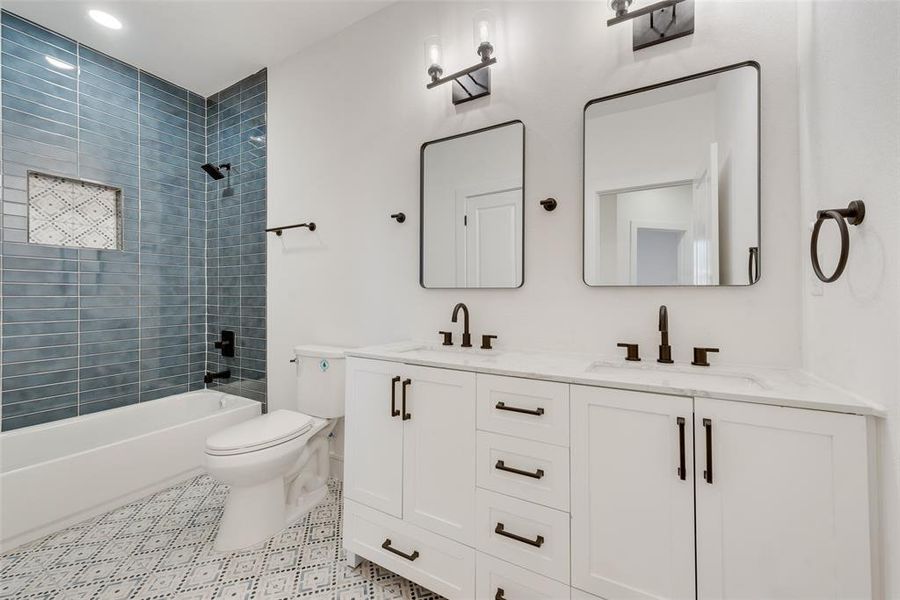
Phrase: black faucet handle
{"type": "Point", "coordinates": [633, 352]}
{"type": "Point", "coordinates": [486, 341]}
{"type": "Point", "coordinates": [700, 356]}
{"type": "Point", "coordinates": [448, 338]}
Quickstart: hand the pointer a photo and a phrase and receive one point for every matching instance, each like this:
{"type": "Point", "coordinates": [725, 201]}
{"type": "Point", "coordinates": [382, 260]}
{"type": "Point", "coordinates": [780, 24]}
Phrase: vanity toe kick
{"type": "Point", "coordinates": [529, 535]}
{"type": "Point", "coordinates": [433, 561]}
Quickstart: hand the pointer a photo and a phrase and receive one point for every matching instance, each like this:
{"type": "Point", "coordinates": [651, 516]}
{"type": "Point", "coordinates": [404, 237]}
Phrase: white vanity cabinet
{"type": "Point", "coordinates": [505, 487]}
{"type": "Point", "coordinates": [632, 494]}
{"type": "Point", "coordinates": [782, 503]}
{"type": "Point", "coordinates": [411, 444]}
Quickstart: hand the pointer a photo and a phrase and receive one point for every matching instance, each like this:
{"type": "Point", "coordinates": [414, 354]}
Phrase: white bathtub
{"type": "Point", "coordinates": [57, 474]}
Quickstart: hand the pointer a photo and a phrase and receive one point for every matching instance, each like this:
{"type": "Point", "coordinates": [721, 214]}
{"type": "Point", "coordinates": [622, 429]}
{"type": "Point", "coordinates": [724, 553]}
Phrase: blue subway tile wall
{"type": "Point", "coordinates": [236, 223]}
{"type": "Point", "coordinates": [85, 330]}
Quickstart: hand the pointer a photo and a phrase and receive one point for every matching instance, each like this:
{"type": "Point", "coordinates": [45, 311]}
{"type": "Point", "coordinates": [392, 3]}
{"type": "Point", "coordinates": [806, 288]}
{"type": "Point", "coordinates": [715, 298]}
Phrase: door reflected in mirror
{"type": "Point", "coordinates": [671, 183]}
{"type": "Point", "coordinates": [472, 197]}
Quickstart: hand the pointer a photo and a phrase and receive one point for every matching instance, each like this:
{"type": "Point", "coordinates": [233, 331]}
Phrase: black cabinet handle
{"type": "Point", "coordinates": [708, 473]}
{"type": "Point", "coordinates": [499, 595]}
{"type": "Point", "coordinates": [406, 415]}
{"type": "Point", "coordinates": [682, 470]}
{"type": "Point", "coordinates": [394, 382]}
{"type": "Point", "coordinates": [525, 411]}
{"type": "Point", "coordinates": [410, 557]}
{"type": "Point", "coordinates": [536, 542]}
{"type": "Point", "coordinates": [501, 466]}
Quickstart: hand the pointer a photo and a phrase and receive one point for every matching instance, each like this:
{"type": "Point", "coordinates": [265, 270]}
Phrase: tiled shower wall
{"type": "Point", "coordinates": [88, 330]}
{"type": "Point", "coordinates": [236, 223]}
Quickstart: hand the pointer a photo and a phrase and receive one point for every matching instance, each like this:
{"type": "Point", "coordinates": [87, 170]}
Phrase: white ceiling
{"type": "Point", "coordinates": [201, 45]}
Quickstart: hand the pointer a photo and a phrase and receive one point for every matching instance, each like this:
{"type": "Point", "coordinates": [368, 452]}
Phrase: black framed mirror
{"type": "Point", "coordinates": [472, 223]}
{"type": "Point", "coordinates": [672, 182]}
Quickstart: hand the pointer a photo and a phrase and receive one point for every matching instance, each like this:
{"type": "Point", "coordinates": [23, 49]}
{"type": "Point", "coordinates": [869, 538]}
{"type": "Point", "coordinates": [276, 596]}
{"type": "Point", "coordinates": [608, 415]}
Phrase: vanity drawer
{"type": "Point", "coordinates": [523, 533]}
{"type": "Point", "coordinates": [526, 408]}
{"type": "Point", "coordinates": [497, 578]}
{"type": "Point", "coordinates": [532, 471]}
{"type": "Point", "coordinates": [439, 564]}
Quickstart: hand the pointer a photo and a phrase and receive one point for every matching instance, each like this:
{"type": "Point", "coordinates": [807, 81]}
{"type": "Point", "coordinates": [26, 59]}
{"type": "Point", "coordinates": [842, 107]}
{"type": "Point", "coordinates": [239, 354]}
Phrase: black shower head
{"type": "Point", "coordinates": [214, 171]}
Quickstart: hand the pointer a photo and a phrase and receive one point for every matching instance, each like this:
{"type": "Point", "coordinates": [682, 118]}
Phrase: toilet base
{"type": "Point", "coordinates": [305, 503]}
{"type": "Point", "coordinates": [252, 515]}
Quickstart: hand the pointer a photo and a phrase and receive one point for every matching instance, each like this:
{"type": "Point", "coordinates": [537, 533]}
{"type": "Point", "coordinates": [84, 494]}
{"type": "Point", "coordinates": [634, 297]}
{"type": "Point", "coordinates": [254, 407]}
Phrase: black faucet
{"type": "Point", "coordinates": [208, 378]}
{"type": "Point", "coordinates": [665, 350]}
{"type": "Point", "coordinates": [466, 337]}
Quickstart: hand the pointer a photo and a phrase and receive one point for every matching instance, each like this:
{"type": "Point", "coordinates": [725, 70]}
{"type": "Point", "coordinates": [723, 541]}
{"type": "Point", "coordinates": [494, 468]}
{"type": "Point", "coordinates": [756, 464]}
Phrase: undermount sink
{"type": "Point", "coordinates": [677, 376]}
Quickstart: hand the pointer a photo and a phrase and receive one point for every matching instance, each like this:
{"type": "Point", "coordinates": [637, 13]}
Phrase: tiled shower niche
{"type": "Point", "coordinates": [69, 212]}
{"type": "Point", "coordinates": [89, 329]}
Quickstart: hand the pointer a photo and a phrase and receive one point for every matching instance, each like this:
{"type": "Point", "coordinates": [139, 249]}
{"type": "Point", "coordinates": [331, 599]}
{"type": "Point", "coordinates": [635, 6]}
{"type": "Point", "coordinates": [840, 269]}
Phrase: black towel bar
{"type": "Point", "coordinates": [278, 230]}
{"type": "Point", "coordinates": [853, 214]}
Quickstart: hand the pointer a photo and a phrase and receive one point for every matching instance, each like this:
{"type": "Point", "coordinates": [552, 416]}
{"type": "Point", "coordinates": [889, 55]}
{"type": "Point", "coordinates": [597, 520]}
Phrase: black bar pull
{"type": "Point", "coordinates": [501, 466]}
{"type": "Point", "coordinates": [410, 557]}
{"type": "Point", "coordinates": [537, 542]}
{"type": "Point", "coordinates": [406, 415]}
{"type": "Point", "coordinates": [394, 382]}
{"type": "Point", "coordinates": [708, 473]}
{"type": "Point", "coordinates": [525, 411]}
{"type": "Point", "coordinates": [499, 595]}
{"type": "Point", "coordinates": [682, 470]}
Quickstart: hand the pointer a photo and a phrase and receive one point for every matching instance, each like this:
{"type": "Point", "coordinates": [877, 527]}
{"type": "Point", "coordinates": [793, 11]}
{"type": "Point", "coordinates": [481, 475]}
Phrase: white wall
{"type": "Point", "coordinates": [850, 146]}
{"type": "Point", "coordinates": [347, 118]}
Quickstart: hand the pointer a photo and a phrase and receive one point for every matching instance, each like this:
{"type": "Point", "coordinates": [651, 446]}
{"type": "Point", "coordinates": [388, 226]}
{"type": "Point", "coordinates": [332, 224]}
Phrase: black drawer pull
{"type": "Point", "coordinates": [406, 415]}
{"type": "Point", "coordinates": [499, 595]}
{"type": "Point", "coordinates": [525, 411]}
{"type": "Point", "coordinates": [501, 466]}
{"type": "Point", "coordinates": [707, 474]}
{"type": "Point", "coordinates": [537, 542]}
{"type": "Point", "coordinates": [410, 557]}
{"type": "Point", "coordinates": [682, 470]}
{"type": "Point", "coordinates": [394, 382]}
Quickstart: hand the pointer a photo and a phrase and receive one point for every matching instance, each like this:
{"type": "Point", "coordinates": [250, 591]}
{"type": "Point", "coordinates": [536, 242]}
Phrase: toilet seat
{"type": "Point", "coordinates": [259, 433]}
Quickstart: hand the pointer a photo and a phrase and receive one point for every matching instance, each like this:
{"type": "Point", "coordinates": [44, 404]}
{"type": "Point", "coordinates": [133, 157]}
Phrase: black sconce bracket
{"type": "Point", "coordinates": [658, 22]}
{"type": "Point", "coordinates": [469, 83]}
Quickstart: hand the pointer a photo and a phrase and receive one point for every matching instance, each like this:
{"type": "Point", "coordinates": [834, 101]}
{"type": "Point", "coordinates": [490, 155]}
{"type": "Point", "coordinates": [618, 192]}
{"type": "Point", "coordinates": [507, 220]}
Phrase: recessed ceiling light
{"type": "Point", "coordinates": [59, 64]}
{"type": "Point", "coordinates": [105, 19]}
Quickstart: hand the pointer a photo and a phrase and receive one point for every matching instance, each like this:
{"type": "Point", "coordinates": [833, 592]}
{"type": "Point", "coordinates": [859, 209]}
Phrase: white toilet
{"type": "Point", "coordinates": [277, 464]}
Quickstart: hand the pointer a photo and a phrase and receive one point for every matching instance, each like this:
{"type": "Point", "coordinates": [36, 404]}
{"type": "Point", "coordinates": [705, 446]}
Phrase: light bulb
{"type": "Point", "coordinates": [433, 57]}
{"type": "Point", "coordinates": [483, 33]}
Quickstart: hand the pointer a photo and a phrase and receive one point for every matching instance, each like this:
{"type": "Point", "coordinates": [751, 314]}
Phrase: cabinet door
{"type": "Point", "coordinates": [632, 494]}
{"type": "Point", "coordinates": [439, 452]}
{"type": "Point", "coordinates": [782, 508]}
{"type": "Point", "coordinates": [373, 455]}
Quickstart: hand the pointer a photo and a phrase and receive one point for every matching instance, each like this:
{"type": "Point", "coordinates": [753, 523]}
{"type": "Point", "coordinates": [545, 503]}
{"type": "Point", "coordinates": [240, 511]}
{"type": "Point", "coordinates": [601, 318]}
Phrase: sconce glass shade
{"type": "Point", "coordinates": [434, 56]}
{"type": "Point", "coordinates": [620, 6]}
{"type": "Point", "coordinates": [484, 30]}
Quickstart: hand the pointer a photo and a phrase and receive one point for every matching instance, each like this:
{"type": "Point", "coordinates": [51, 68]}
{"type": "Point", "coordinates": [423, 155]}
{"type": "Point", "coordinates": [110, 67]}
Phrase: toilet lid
{"type": "Point", "coordinates": [260, 432]}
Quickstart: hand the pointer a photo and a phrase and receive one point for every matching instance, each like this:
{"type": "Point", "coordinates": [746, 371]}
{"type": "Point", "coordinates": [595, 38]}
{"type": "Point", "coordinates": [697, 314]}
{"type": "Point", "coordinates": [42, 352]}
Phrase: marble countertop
{"type": "Point", "coordinates": [761, 385]}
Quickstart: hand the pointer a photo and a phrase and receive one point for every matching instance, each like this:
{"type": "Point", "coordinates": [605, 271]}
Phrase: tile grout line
{"type": "Point", "coordinates": [78, 171]}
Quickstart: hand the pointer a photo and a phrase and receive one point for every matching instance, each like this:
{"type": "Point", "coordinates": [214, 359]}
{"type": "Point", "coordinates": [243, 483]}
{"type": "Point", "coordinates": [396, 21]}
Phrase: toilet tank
{"type": "Point", "coordinates": [320, 380]}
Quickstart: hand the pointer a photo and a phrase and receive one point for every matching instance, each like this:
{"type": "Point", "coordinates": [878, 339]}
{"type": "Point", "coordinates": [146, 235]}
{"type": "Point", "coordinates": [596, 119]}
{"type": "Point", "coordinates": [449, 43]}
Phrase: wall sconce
{"type": "Point", "coordinates": [655, 23]}
{"type": "Point", "coordinates": [472, 82]}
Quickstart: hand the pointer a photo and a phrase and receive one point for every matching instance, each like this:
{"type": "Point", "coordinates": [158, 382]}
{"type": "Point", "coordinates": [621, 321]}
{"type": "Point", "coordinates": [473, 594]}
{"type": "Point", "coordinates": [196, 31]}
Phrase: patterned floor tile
{"type": "Point", "coordinates": [161, 547]}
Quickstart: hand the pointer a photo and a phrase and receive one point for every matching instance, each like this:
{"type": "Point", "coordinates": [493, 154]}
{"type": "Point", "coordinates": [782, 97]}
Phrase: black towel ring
{"type": "Point", "coordinates": [853, 214]}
